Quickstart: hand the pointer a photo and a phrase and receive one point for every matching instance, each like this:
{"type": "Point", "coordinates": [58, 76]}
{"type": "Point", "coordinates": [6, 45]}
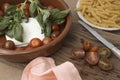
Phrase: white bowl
{"type": "Point", "coordinates": [89, 23]}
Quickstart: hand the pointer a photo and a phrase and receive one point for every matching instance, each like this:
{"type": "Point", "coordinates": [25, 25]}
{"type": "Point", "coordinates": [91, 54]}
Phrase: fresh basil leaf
{"type": "Point", "coordinates": [18, 30]}
{"type": "Point", "coordinates": [2, 32]}
{"type": "Point", "coordinates": [46, 16]}
{"type": "Point", "coordinates": [17, 17]}
{"type": "Point", "coordinates": [48, 29]}
{"type": "Point", "coordinates": [10, 31]}
{"type": "Point", "coordinates": [58, 21]}
{"type": "Point", "coordinates": [54, 11]}
{"type": "Point", "coordinates": [4, 23]}
{"type": "Point", "coordinates": [36, 1]}
{"type": "Point", "coordinates": [1, 18]}
{"type": "Point", "coordinates": [39, 18]}
{"type": "Point", "coordinates": [10, 10]}
{"type": "Point", "coordinates": [61, 14]}
{"type": "Point", "coordinates": [33, 7]}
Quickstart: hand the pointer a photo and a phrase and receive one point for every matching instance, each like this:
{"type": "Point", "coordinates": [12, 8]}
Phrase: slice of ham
{"type": "Point", "coordinates": [66, 71]}
{"type": "Point", "coordinates": [44, 69]}
{"type": "Point", "coordinates": [37, 66]}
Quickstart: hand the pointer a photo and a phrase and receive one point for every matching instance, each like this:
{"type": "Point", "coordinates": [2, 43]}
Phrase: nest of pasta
{"type": "Point", "coordinates": [104, 13]}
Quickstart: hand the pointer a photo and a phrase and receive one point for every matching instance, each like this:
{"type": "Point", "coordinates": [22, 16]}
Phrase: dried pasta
{"type": "Point", "coordinates": [104, 13]}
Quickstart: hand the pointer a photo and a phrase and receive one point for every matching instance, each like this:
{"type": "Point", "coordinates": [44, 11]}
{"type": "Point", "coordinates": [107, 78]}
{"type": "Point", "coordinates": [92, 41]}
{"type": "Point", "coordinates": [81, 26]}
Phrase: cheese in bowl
{"type": "Point", "coordinates": [31, 29]}
{"type": "Point", "coordinates": [30, 24]}
{"type": "Point", "coordinates": [101, 14]}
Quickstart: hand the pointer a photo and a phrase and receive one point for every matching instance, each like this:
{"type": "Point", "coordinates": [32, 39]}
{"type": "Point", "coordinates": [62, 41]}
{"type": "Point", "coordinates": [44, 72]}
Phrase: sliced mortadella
{"type": "Point", "coordinates": [45, 69]}
{"type": "Point", "coordinates": [37, 67]}
{"type": "Point", "coordinates": [66, 71]}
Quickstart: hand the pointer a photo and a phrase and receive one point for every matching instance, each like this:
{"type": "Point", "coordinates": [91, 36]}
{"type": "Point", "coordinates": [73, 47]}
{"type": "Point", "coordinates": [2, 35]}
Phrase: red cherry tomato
{"type": "Point", "coordinates": [87, 45]}
{"type": "Point", "coordinates": [47, 40]}
{"type": "Point", "coordinates": [27, 13]}
{"type": "Point", "coordinates": [9, 45]}
{"type": "Point", "coordinates": [55, 34]}
{"type": "Point", "coordinates": [1, 13]}
{"type": "Point", "coordinates": [35, 42]}
{"type": "Point", "coordinates": [50, 7]}
{"type": "Point", "coordinates": [5, 5]}
{"type": "Point", "coordinates": [27, 6]}
{"type": "Point", "coordinates": [55, 27]}
{"type": "Point", "coordinates": [94, 49]}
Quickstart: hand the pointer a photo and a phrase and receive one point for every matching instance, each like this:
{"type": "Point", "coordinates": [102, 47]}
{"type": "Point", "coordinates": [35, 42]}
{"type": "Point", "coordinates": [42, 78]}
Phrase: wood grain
{"type": "Point", "coordinates": [76, 33]}
{"type": "Point", "coordinates": [13, 71]}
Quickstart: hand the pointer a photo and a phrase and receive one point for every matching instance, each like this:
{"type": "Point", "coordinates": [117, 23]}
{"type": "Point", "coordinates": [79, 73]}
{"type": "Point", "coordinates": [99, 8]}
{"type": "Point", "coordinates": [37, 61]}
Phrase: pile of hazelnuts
{"type": "Point", "coordinates": [93, 55]}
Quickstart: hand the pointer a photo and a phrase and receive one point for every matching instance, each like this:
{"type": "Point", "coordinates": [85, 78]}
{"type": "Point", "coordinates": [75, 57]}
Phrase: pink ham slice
{"type": "Point", "coordinates": [37, 66]}
{"type": "Point", "coordinates": [45, 69]}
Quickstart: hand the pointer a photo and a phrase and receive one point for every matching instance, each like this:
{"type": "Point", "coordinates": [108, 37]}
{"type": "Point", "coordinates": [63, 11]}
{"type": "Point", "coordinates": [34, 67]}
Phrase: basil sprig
{"type": "Point", "coordinates": [10, 24]}
{"type": "Point", "coordinates": [47, 17]}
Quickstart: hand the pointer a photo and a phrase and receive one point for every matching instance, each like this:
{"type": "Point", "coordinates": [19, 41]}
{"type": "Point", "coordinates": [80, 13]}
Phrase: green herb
{"type": "Point", "coordinates": [47, 17]}
{"type": "Point", "coordinates": [10, 24]}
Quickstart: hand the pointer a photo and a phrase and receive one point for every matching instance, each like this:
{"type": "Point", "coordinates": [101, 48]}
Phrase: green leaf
{"type": "Point", "coordinates": [33, 7]}
{"type": "Point", "coordinates": [18, 32]}
{"type": "Point", "coordinates": [48, 29]}
{"type": "Point", "coordinates": [10, 31]}
{"type": "Point", "coordinates": [4, 23]}
{"type": "Point", "coordinates": [10, 10]}
{"type": "Point", "coordinates": [39, 18]}
{"type": "Point", "coordinates": [2, 32]}
{"type": "Point", "coordinates": [36, 1]}
{"type": "Point", "coordinates": [61, 14]}
{"type": "Point", "coordinates": [17, 17]}
{"type": "Point", "coordinates": [58, 21]}
{"type": "Point", "coordinates": [54, 11]}
{"type": "Point", "coordinates": [46, 16]}
{"type": "Point", "coordinates": [1, 18]}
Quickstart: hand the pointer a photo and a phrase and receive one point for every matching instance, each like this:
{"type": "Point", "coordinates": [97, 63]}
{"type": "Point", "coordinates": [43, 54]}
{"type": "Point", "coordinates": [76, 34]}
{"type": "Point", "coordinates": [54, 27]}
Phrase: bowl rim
{"type": "Point", "coordinates": [58, 39]}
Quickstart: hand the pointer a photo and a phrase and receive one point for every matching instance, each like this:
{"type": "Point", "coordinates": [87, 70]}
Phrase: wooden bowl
{"type": "Point", "coordinates": [45, 50]}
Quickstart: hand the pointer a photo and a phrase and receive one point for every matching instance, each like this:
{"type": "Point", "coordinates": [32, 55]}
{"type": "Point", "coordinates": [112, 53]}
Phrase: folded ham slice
{"type": "Point", "coordinates": [37, 66]}
{"type": "Point", "coordinates": [44, 69]}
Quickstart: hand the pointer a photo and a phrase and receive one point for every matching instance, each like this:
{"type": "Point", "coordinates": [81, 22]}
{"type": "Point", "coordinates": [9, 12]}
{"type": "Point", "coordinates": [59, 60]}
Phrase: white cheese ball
{"type": "Point", "coordinates": [32, 29]}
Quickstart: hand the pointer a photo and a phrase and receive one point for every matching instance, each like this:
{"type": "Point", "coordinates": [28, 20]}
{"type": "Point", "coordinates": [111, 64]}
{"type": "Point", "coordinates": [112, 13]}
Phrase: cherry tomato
{"type": "Point", "coordinates": [27, 13]}
{"type": "Point", "coordinates": [92, 58]}
{"type": "Point", "coordinates": [27, 6]}
{"type": "Point", "coordinates": [105, 64]}
{"type": "Point", "coordinates": [50, 7]}
{"type": "Point", "coordinates": [87, 45]}
{"type": "Point", "coordinates": [5, 5]}
{"type": "Point", "coordinates": [35, 42]}
{"type": "Point", "coordinates": [94, 49]}
{"type": "Point", "coordinates": [78, 53]}
{"type": "Point", "coordinates": [104, 52]}
{"type": "Point", "coordinates": [1, 13]}
{"type": "Point", "coordinates": [9, 45]}
{"type": "Point", "coordinates": [55, 34]}
{"type": "Point", "coordinates": [47, 40]}
{"type": "Point", "coordinates": [55, 27]}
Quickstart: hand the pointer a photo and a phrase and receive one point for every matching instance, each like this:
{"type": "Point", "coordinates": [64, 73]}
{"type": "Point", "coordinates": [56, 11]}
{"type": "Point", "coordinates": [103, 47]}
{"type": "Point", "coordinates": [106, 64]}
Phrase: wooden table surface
{"type": "Point", "coordinates": [13, 71]}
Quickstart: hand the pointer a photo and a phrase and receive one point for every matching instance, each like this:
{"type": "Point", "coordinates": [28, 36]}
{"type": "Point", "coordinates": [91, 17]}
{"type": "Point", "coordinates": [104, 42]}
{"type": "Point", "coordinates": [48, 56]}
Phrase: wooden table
{"type": "Point", "coordinates": [13, 71]}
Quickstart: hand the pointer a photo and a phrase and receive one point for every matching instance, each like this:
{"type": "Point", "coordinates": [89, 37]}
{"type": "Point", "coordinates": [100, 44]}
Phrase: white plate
{"type": "Point", "coordinates": [92, 25]}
